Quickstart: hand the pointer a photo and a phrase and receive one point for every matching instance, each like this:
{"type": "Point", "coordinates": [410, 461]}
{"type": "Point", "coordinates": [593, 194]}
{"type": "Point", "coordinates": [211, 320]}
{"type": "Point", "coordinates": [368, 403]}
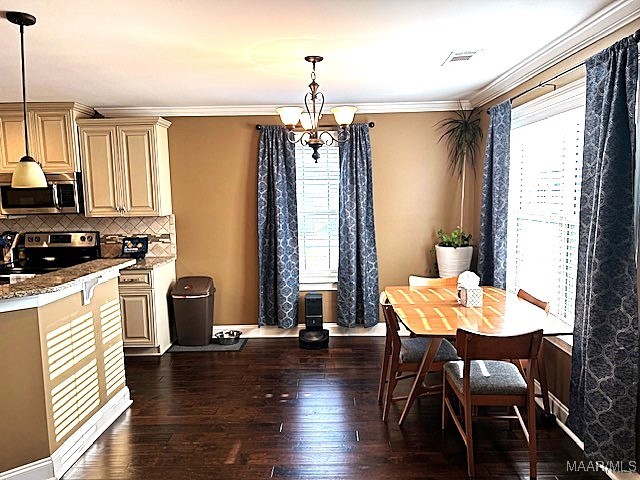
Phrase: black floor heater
{"type": "Point", "coordinates": [313, 336]}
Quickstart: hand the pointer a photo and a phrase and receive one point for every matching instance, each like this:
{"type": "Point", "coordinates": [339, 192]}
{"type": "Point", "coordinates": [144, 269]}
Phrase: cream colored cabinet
{"type": "Point", "coordinates": [137, 311]}
{"type": "Point", "coordinates": [145, 312]}
{"type": "Point", "coordinates": [125, 165]}
{"type": "Point", "coordinates": [53, 139]}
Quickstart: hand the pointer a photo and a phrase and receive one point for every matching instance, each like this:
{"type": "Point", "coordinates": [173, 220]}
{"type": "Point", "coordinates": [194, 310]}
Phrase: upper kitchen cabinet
{"type": "Point", "coordinates": [53, 139]}
{"type": "Point", "coordinates": [125, 166]}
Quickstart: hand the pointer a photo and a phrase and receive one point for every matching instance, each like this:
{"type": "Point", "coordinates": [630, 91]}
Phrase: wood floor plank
{"type": "Point", "coordinates": [273, 410]}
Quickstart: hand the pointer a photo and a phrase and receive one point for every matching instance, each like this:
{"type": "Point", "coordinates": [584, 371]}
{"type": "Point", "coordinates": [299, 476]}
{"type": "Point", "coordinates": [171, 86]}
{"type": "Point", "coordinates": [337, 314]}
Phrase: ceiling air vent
{"type": "Point", "coordinates": [460, 56]}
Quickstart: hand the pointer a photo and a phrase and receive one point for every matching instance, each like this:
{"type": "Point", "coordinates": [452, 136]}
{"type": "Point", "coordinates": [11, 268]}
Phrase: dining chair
{"type": "Point", "coordinates": [402, 358]}
{"type": "Point", "coordinates": [541, 370]}
{"type": "Point", "coordinates": [418, 281]}
{"type": "Point", "coordinates": [481, 378]}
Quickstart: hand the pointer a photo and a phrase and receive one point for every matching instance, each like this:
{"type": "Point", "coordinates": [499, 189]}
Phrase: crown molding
{"type": "Point", "coordinates": [596, 27]}
{"type": "Point", "coordinates": [250, 110]}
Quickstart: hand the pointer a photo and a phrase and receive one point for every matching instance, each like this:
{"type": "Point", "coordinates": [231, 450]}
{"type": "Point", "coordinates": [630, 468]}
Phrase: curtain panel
{"type": "Point", "coordinates": [357, 302]}
{"type": "Point", "coordinates": [278, 256]}
{"type": "Point", "coordinates": [492, 251]}
{"type": "Point", "coordinates": [604, 378]}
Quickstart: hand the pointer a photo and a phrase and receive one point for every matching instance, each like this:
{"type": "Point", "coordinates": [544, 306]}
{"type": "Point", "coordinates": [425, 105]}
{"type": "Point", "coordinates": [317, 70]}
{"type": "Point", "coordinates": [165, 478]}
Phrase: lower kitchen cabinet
{"type": "Point", "coordinates": [145, 312]}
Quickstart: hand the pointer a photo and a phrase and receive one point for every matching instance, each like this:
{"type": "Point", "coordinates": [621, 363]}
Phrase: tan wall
{"type": "Point", "coordinates": [213, 177]}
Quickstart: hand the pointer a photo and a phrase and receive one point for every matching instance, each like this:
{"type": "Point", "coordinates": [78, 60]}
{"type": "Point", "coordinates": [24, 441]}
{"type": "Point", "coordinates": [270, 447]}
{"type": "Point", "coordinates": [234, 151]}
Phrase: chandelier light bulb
{"type": "Point", "coordinates": [289, 115]}
{"type": "Point", "coordinates": [344, 114]}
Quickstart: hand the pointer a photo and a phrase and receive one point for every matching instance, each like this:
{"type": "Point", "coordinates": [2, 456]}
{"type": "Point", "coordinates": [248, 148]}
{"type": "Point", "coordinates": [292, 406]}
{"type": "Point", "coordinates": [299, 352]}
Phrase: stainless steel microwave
{"type": "Point", "coordinates": [63, 194]}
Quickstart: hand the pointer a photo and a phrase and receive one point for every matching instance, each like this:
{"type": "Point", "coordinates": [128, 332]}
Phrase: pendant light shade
{"type": "Point", "coordinates": [28, 173]}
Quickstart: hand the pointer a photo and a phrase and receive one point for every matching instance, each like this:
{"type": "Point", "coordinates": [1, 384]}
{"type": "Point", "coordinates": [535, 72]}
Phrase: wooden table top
{"type": "Point", "coordinates": [435, 311]}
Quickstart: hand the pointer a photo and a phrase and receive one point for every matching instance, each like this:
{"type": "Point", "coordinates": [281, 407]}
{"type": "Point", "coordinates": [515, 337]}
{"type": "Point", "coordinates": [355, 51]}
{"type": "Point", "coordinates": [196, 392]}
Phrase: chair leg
{"type": "Point", "coordinates": [533, 451]}
{"type": "Point", "coordinates": [391, 386]}
{"type": "Point", "coordinates": [384, 373]}
{"type": "Point", "coordinates": [468, 427]}
{"type": "Point", "coordinates": [542, 378]}
{"type": "Point", "coordinates": [444, 402]}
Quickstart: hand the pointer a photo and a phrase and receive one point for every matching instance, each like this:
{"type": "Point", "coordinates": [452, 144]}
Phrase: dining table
{"type": "Point", "coordinates": [436, 313]}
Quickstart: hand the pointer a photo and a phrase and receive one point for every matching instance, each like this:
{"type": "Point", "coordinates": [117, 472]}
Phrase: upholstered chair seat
{"type": "Point", "coordinates": [412, 350]}
{"type": "Point", "coordinates": [488, 377]}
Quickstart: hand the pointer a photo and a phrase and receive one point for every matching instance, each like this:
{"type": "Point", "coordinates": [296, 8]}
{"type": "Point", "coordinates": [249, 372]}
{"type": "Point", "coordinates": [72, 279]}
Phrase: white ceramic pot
{"type": "Point", "coordinates": [453, 261]}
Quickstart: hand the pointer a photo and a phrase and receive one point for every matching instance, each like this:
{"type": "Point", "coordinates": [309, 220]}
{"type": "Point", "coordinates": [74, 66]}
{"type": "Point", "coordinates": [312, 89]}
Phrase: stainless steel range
{"type": "Point", "coordinates": [50, 251]}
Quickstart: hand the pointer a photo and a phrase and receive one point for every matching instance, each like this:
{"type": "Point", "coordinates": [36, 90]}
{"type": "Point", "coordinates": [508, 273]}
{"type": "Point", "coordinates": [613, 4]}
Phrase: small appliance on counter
{"type": "Point", "coordinates": [135, 247]}
{"type": "Point", "coordinates": [8, 241]}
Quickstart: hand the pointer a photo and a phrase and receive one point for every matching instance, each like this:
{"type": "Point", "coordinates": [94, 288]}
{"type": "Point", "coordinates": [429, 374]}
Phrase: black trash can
{"type": "Point", "coordinates": [193, 309]}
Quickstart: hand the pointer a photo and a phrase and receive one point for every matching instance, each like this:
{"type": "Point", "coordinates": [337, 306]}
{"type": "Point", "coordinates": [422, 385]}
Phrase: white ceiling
{"type": "Point", "coordinates": [185, 53]}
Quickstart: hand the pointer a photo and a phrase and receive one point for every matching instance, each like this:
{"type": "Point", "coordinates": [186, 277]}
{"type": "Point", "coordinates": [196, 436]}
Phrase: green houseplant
{"type": "Point", "coordinates": [453, 252]}
{"type": "Point", "coordinates": [462, 136]}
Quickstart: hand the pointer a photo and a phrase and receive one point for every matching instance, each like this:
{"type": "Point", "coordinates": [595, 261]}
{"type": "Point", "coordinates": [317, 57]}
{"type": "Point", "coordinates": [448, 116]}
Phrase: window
{"type": "Point", "coordinates": [544, 198]}
{"type": "Point", "coordinates": [317, 192]}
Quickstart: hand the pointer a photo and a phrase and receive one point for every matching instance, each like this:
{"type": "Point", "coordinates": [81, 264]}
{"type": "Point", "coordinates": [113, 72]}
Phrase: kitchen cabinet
{"type": "Point", "coordinates": [144, 307]}
{"type": "Point", "coordinates": [53, 138]}
{"type": "Point", "coordinates": [125, 165]}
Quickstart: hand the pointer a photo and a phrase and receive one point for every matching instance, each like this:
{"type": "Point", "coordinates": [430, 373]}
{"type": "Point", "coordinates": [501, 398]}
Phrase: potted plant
{"type": "Point", "coordinates": [462, 135]}
{"type": "Point", "coordinates": [453, 252]}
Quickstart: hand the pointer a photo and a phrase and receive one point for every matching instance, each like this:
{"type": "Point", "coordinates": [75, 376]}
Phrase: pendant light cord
{"type": "Point", "coordinates": [24, 92]}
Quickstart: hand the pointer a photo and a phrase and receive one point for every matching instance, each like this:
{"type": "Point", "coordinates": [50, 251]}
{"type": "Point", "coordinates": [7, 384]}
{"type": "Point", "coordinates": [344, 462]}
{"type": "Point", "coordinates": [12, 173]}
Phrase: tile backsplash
{"type": "Point", "coordinates": [160, 230]}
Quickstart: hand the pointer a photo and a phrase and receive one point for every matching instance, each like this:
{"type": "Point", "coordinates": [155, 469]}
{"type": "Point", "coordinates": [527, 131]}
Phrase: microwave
{"type": "Point", "coordinates": [63, 194]}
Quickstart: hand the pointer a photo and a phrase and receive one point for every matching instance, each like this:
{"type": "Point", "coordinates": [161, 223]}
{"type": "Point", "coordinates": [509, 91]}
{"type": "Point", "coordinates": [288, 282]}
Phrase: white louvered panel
{"type": "Point", "coordinates": [317, 195]}
{"type": "Point", "coordinates": [544, 202]}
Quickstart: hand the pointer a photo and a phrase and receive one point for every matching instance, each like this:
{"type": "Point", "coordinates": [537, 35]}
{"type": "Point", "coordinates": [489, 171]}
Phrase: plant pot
{"type": "Point", "coordinates": [452, 261]}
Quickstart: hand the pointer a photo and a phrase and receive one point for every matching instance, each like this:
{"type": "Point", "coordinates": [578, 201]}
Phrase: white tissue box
{"type": "Point", "coordinates": [471, 297]}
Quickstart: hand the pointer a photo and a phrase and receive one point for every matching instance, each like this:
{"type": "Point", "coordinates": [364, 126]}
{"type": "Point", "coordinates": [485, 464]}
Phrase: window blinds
{"type": "Point", "coordinates": [544, 206]}
{"type": "Point", "coordinates": [317, 194]}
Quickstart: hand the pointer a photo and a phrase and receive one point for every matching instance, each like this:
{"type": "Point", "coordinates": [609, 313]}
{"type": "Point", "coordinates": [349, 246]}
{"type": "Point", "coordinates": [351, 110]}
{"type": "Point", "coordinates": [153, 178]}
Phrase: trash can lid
{"type": "Point", "coordinates": [193, 286]}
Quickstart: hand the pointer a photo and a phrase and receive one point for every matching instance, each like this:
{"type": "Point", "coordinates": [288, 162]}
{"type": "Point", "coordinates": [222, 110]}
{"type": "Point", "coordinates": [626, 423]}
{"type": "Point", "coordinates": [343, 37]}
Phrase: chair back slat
{"type": "Point", "coordinates": [417, 281]}
{"type": "Point", "coordinates": [477, 346]}
{"type": "Point", "coordinates": [523, 294]}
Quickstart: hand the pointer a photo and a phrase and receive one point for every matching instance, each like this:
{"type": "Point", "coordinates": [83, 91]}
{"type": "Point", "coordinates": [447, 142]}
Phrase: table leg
{"type": "Point", "coordinates": [425, 365]}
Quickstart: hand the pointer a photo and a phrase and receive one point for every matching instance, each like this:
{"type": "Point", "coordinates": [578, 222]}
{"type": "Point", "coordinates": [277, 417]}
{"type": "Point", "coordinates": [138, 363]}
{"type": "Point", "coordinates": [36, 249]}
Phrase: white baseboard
{"type": "Point", "coordinates": [38, 470]}
{"type": "Point", "coordinates": [78, 443]}
{"type": "Point", "coordinates": [335, 330]}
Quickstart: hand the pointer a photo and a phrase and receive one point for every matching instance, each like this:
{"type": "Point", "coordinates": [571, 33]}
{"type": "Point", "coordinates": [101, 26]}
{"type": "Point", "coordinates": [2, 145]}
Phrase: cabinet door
{"type": "Point", "coordinates": [137, 317]}
{"type": "Point", "coordinates": [11, 141]}
{"type": "Point", "coordinates": [139, 173]}
{"type": "Point", "coordinates": [100, 171]}
{"type": "Point", "coordinates": [53, 137]}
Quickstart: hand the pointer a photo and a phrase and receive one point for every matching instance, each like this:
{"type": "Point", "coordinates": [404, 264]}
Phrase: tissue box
{"type": "Point", "coordinates": [471, 297]}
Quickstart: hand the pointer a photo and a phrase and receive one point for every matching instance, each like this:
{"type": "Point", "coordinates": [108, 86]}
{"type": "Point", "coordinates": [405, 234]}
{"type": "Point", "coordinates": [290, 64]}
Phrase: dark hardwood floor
{"type": "Point", "coordinates": [276, 411]}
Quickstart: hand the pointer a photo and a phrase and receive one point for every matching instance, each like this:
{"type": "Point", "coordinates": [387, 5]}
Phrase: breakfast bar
{"type": "Point", "coordinates": [64, 381]}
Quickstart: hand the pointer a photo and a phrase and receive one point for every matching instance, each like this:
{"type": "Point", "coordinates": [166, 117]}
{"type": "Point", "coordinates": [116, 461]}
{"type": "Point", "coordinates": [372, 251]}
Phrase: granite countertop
{"type": "Point", "coordinates": [61, 279]}
{"type": "Point", "coordinates": [149, 263]}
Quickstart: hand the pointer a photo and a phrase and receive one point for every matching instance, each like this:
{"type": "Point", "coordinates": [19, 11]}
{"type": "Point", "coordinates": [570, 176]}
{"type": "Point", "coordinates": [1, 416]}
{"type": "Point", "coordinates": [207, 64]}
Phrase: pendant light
{"type": "Point", "coordinates": [28, 173]}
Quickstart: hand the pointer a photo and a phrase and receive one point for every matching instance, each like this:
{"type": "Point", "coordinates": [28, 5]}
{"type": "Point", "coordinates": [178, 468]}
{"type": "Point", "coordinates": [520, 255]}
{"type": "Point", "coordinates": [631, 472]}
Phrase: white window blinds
{"type": "Point", "coordinates": [317, 194]}
{"type": "Point", "coordinates": [544, 203]}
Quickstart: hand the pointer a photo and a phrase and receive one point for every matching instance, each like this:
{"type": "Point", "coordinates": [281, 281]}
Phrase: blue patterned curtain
{"type": "Point", "coordinates": [492, 252]}
{"type": "Point", "coordinates": [604, 377]}
{"type": "Point", "coordinates": [358, 262]}
{"type": "Point", "coordinates": [277, 229]}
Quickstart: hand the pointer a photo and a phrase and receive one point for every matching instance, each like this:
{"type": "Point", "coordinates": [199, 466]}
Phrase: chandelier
{"type": "Point", "coordinates": [309, 120]}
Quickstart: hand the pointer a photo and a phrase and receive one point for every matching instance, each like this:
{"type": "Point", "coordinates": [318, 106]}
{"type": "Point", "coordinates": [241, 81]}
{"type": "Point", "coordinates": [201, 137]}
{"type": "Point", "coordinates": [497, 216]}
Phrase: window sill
{"type": "Point", "coordinates": [320, 286]}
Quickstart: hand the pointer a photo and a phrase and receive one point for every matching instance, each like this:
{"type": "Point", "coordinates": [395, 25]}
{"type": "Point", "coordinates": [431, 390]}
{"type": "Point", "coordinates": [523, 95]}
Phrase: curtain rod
{"type": "Point", "coordinates": [547, 83]}
{"type": "Point", "coordinates": [371, 125]}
